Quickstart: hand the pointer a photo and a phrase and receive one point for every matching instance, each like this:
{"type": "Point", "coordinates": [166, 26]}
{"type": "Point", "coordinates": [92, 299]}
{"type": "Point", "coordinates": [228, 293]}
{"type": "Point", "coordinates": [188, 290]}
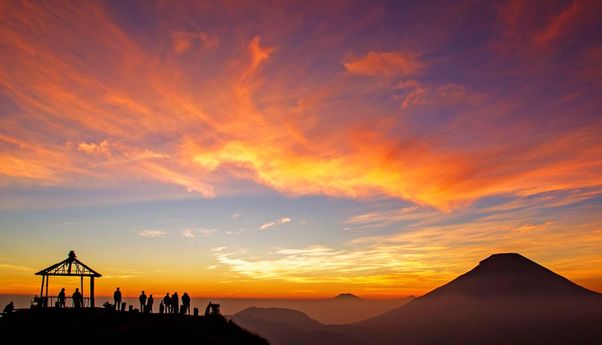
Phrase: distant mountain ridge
{"type": "Point", "coordinates": [289, 317]}
{"type": "Point", "coordinates": [347, 297]}
{"type": "Point", "coordinates": [281, 326]}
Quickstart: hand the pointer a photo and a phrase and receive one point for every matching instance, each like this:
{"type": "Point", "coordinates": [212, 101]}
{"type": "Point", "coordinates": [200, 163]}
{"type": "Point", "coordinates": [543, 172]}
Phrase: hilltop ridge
{"type": "Point", "coordinates": [98, 326]}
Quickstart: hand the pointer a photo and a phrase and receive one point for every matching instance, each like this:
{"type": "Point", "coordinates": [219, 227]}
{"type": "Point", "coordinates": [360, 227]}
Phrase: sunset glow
{"type": "Point", "coordinates": [302, 149]}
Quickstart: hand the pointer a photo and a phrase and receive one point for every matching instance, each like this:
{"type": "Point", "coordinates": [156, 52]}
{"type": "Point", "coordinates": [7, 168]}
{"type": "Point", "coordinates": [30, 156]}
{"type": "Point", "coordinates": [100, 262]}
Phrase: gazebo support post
{"type": "Point", "coordinates": [92, 292]}
{"type": "Point", "coordinates": [46, 298]}
{"type": "Point", "coordinates": [42, 291]}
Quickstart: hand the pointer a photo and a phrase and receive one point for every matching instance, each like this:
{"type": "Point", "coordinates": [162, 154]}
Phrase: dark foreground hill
{"type": "Point", "coordinates": [290, 327]}
{"type": "Point", "coordinates": [506, 299]}
{"type": "Point", "coordinates": [88, 326]}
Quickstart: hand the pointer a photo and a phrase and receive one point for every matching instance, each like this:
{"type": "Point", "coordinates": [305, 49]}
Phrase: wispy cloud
{"type": "Point", "coordinates": [192, 233]}
{"type": "Point", "coordinates": [15, 267]}
{"type": "Point", "coordinates": [153, 233]}
{"type": "Point", "coordinates": [559, 23]}
{"type": "Point", "coordinates": [93, 148]}
{"type": "Point", "coordinates": [73, 223]}
{"type": "Point", "coordinates": [121, 274]}
{"type": "Point", "coordinates": [268, 225]}
{"type": "Point", "coordinates": [385, 64]}
{"type": "Point", "coordinates": [184, 41]}
{"type": "Point", "coordinates": [377, 219]}
{"type": "Point", "coordinates": [441, 94]}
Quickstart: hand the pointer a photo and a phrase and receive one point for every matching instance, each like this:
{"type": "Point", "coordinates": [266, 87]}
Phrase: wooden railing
{"type": "Point", "coordinates": [53, 302]}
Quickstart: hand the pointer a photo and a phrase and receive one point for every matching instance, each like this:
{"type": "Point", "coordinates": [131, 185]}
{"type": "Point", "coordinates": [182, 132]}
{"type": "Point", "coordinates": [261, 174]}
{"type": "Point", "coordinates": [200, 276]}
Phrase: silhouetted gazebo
{"type": "Point", "coordinates": [69, 267]}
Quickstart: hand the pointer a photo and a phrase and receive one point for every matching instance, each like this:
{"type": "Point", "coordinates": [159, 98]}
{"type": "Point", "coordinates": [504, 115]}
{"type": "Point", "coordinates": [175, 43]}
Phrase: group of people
{"type": "Point", "coordinates": [169, 304]}
{"type": "Point", "coordinates": [146, 303]}
{"type": "Point", "coordinates": [78, 300]}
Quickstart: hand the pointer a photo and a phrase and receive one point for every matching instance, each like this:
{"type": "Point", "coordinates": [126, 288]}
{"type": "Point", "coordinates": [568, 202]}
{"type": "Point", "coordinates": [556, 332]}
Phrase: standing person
{"type": "Point", "coordinates": [61, 298]}
{"type": "Point", "coordinates": [175, 303]}
{"type": "Point", "coordinates": [142, 300]}
{"type": "Point", "coordinates": [149, 304]}
{"type": "Point", "coordinates": [77, 299]}
{"type": "Point", "coordinates": [167, 302]}
{"type": "Point", "coordinates": [185, 303]}
{"type": "Point", "coordinates": [117, 299]}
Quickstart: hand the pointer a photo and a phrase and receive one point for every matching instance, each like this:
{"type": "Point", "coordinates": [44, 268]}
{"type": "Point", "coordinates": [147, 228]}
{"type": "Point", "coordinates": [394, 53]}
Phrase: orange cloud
{"type": "Point", "coordinates": [558, 24]}
{"type": "Point", "coordinates": [536, 28]}
{"type": "Point", "coordinates": [93, 148]}
{"type": "Point", "coordinates": [385, 64]}
{"type": "Point", "coordinates": [258, 118]}
{"type": "Point", "coordinates": [183, 41]}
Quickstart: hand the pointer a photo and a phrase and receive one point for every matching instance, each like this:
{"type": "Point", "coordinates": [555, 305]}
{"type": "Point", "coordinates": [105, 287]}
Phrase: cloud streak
{"type": "Point", "coordinates": [192, 233]}
{"type": "Point", "coordinates": [385, 64]}
{"type": "Point", "coordinates": [151, 233]}
{"type": "Point", "coordinates": [269, 225]}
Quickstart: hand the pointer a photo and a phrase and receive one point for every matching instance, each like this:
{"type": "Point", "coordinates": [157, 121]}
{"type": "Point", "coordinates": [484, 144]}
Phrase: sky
{"type": "Point", "coordinates": [298, 149]}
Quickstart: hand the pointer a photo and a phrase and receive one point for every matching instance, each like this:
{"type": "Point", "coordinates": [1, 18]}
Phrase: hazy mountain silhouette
{"type": "Point", "coordinates": [347, 297]}
{"type": "Point", "coordinates": [506, 299]}
{"type": "Point", "coordinates": [289, 317]}
{"type": "Point", "coordinates": [282, 326]}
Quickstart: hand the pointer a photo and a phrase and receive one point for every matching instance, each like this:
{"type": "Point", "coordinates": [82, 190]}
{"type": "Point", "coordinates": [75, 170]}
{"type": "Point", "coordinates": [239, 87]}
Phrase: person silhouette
{"type": "Point", "coordinates": [77, 299]}
{"type": "Point", "coordinates": [9, 308]}
{"type": "Point", "coordinates": [212, 309]}
{"type": "Point", "coordinates": [175, 303]}
{"type": "Point", "coordinates": [167, 302]}
{"type": "Point", "coordinates": [117, 299]}
{"type": "Point", "coordinates": [142, 300]}
{"type": "Point", "coordinates": [37, 302]}
{"type": "Point", "coordinates": [207, 310]}
{"type": "Point", "coordinates": [161, 307]}
{"type": "Point", "coordinates": [61, 298]}
{"type": "Point", "coordinates": [185, 303]}
{"type": "Point", "coordinates": [149, 304]}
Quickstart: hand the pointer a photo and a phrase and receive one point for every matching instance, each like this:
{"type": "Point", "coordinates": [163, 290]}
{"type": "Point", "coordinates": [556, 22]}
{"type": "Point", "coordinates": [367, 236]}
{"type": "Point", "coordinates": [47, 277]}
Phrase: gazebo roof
{"type": "Point", "coordinates": [69, 267]}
